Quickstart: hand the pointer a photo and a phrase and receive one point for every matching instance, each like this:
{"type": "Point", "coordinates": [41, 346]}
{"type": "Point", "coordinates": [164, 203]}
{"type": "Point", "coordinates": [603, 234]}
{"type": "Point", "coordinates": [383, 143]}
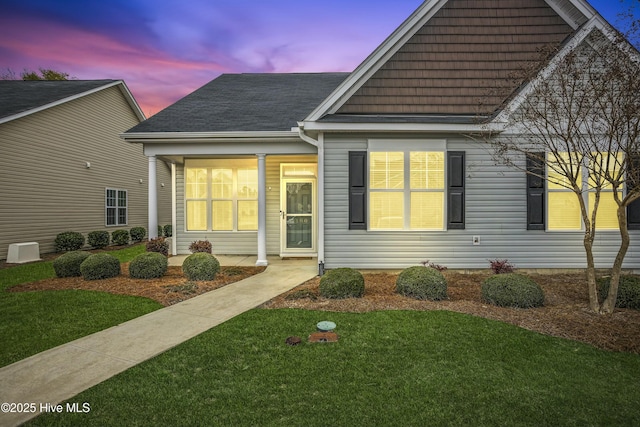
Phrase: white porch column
{"type": "Point", "coordinates": [174, 213]}
{"type": "Point", "coordinates": [153, 199]}
{"type": "Point", "coordinates": [262, 211]}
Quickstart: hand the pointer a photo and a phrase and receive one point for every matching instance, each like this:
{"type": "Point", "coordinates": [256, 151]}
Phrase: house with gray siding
{"type": "Point", "coordinates": [63, 165]}
{"type": "Point", "coordinates": [375, 168]}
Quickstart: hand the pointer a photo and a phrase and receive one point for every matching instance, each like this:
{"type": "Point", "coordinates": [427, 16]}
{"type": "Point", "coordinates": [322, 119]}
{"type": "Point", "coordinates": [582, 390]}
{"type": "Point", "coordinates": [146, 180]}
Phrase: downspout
{"type": "Point", "coordinates": [319, 143]}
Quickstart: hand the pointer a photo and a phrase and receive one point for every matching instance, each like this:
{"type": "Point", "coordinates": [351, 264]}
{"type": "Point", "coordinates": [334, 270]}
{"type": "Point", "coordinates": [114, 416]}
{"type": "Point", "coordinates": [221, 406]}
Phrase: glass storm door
{"type": "Point", "coordinates": [298, 216]}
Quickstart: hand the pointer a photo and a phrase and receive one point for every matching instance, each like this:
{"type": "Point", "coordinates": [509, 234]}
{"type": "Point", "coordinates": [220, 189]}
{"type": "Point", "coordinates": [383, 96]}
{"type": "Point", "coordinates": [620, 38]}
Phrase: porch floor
{"type": "Point", "coordinates": [250, 260]}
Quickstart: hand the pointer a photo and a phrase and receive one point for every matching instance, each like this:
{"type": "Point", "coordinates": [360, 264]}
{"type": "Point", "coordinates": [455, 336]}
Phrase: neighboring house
{"type": "Point", "coordinates": [374, 169]}
{"type": "Point", "coordinates": [63, 165]}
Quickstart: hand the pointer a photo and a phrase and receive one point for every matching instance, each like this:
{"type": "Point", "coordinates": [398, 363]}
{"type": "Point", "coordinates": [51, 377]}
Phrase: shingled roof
{"type": "Point", "coordinates": [245, 102]}
{"type": "Point", "coordinates": [19, 96]}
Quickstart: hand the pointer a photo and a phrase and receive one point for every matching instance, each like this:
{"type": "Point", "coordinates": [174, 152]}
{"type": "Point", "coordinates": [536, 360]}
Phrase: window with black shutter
{"type": "Point", "coordinates": [535, 191]}
{"type": "Point", "coordinates": [357, 190]}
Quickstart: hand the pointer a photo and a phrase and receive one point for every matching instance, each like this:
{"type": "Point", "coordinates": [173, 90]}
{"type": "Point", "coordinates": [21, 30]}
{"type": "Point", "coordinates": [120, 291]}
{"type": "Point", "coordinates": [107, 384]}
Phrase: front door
{"type": "Point", "coordinates": [298, 217]}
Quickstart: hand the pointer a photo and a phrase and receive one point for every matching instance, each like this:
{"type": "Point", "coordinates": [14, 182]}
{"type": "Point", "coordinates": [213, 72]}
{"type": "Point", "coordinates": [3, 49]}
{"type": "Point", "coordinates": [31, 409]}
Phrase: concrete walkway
{"type": "Point", "coordinates": [60, 373]}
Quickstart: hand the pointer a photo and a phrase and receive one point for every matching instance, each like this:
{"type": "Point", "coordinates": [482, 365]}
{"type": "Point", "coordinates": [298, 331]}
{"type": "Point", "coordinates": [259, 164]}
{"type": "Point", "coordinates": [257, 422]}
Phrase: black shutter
{"type": "Point", "coordinates": [535, 191]}
{"type": "Point", "coordinates": [633, 210]}
{"type": "Point", "coordinates": [357, 190]}
{"type": "Point", "coordinates": [455, 190]}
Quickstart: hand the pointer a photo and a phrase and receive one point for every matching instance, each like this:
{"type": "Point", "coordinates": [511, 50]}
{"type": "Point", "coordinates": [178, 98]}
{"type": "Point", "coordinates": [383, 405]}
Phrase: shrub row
{"type": "Point", "coordinates": [427, 283]}
{"type": "Point", "coordinates": [72, 240]}
{"type": "Point", "coordinates": [199, 266]}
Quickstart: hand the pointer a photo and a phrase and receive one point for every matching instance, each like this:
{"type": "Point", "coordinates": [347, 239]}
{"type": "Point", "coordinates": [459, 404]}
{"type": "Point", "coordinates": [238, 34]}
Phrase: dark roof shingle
{"type": "Point", "coordinates": [245, 102]}
{"type": "Point", "coordinates": [19, 96]}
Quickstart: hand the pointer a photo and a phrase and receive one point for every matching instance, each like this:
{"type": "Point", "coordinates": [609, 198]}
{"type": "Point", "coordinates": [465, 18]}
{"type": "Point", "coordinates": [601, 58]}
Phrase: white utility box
{"type": "Point", "coordinates": [23, 252]}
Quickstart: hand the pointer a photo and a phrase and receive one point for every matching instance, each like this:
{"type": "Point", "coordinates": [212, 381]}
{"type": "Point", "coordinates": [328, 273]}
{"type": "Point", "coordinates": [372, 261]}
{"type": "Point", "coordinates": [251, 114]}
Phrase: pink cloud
{"type": "Point", "coordinates": [155, 78]}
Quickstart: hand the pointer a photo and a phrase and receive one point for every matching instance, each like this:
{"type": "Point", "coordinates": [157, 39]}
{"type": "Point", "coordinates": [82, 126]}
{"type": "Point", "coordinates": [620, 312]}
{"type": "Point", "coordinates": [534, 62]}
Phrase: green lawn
{"type": "Point", "coordinates": [31, 322]}
{"type": "Point", "coordinates": [392, 368]}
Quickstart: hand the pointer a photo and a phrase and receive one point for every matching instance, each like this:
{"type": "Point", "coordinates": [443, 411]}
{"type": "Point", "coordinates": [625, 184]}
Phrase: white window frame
{"type": "Point", "coordinates": [234, 165]}
{"type": "Point", "coordinates": [584, 171]}
{"type": "Point", "coordinates": [116, 207]}
{"type": "Point", "coordinates": [406, 147]}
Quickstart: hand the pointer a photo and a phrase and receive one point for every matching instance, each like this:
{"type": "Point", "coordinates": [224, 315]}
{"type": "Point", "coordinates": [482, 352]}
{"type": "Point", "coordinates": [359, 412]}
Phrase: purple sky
{"type": "Point", "coordinates": [165, 49]}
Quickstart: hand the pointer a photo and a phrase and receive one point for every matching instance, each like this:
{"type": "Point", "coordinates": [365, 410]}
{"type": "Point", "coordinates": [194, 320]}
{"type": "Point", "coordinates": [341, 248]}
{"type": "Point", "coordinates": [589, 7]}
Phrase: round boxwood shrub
{"type": "Point", "coordinates": [69, 241]}
{"type": "Point", "coordinates": [98, 239]}
{"type": "Point", "coordinates": [68, 265]}
{"type": "Point", "coordinates": [120, 237]}
{"type": "Point", "coordinates": [138, 233]}
{"type": "Point", "coordinates": [200, 266]}
{"type": "Point", "coordinates": [148, 265]}
{"type": "Point", "coordinates": [422, 283]}
{"type": "Point", "coordinates": [512, 290]}
{"type": "Point", "coordinates": [100, 266]}
{"type": "Point", "coordinates": [628, 291]}
{"type": "Point", "coordinates": [342, 283]}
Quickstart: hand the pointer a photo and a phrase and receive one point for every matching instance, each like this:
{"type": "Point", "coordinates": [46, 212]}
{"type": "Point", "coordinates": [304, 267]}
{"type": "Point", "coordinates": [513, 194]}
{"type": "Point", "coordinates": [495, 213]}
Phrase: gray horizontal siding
{"type": "Point", "coordinates": [45, 187]}
{"type": "Point", "coordinates": [495, 211]}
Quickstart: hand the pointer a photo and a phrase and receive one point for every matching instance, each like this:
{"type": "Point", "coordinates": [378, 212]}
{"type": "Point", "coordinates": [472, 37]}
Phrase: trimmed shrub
{"type": "Point", "coordinates": [160, 233]}
{"type": "Point", "coordinates": [167, 230]}
{"type": "Point", "coordinates": [158, 245]}
{"type": "Point", "coordinates": [200, 266]}
{"type": "Point", "coordinates": [68, 265]}
{"type": "Point", "coordinates": [148, 265]}
{"type": "Point", "coordinates": [98, 239]}
{"type": "Point", "coordinates": [100, 266]}
{"type": "Point", "coordinates": [512, 290]}
{"type": "Point", "coordinates": [628, 291]}
{"type": "Point", "coordinates": [120, 237]}
{"type": "Point", "coordinates": [200, 246]}
{"type": "Point", "coordinates": [422, 283]}
{"type": "Point", "coordinates": [501, 266]}
{"type": "Point", "coordinates": [138, 233]}
{"type": "Point", "coordinates": [342, 283]}
{"type": "Point", "coordinates": [69, 241]}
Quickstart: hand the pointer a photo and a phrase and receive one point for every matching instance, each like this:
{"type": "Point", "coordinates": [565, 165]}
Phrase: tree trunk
{"type": "Point", "coordinates": [610, 302]}
{"type": "Point", "coordinates": [594, 305]}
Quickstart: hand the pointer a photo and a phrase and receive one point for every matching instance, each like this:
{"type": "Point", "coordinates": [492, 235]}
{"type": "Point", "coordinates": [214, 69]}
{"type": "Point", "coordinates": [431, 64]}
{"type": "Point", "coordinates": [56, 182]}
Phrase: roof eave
{"type": "Point", "coordinates": [312, 126]}
{"type": "Point", "coordinates": [208, 137]}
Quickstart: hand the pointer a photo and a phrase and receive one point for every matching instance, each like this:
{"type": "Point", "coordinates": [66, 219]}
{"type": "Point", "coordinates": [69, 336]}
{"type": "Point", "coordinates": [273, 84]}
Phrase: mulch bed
{"type": "Point", "coordinates": [565, 314]}
{"type": "Point", "coordinates": [172, 288]}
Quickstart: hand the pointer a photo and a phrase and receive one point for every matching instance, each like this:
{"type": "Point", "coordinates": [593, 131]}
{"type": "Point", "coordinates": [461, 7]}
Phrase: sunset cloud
{"type": "Point", "coordinates": [165, 49]}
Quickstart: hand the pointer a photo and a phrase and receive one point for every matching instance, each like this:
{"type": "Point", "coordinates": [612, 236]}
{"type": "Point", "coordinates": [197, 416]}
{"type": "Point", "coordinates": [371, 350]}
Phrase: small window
{"type": "Point", "coordinates": [116, 207]}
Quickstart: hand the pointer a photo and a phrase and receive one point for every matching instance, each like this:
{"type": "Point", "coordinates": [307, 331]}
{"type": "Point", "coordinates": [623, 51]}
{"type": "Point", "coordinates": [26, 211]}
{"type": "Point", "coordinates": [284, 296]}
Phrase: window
{"type": "Point", "coordinates": [563, 204]}
{"type": "Point", "coordinates": [406, 190]}
{"type": "Point", "coordinates": [221, 198]}
{"type": "Point", "coordinates": [116, 206]}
